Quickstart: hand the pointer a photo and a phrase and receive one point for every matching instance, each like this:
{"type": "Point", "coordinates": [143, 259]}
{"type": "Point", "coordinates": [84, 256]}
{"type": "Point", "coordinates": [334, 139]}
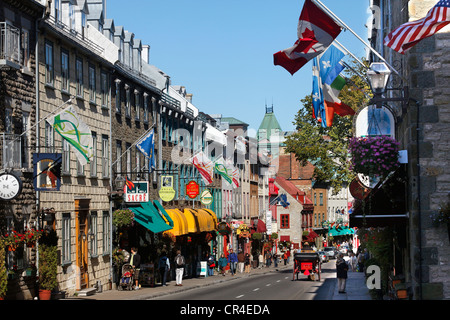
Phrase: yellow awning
{"type": "Point", "coordinates": [214, 217]}
{"type": "Point", "coordinates": [204, 220]}
{"type": "Point", "coordinates": [180, 223]}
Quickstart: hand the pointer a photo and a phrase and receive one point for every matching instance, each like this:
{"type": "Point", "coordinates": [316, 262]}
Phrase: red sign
{"type": "Point", "coordinates": [192, 189]}
{"type": "Point", "coordinates": [306, 266]}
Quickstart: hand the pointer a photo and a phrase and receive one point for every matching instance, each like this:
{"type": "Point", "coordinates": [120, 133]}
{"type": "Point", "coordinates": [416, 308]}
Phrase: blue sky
{"type": "Point", "coordinates": [222, 51]}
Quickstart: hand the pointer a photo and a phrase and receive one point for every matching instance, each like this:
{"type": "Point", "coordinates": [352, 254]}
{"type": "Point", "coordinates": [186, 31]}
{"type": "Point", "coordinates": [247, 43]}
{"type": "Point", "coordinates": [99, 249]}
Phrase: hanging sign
{"type": "Point", "coordinates": [373, 121]}
{"type": "Point", "coordinates": [206, 198]}
{"type": "Point", "coordinates": [167, 192]}
{"type": "Point", "coordinates": [47, 171]}
{"type": "Point", "coordinates": [192, 189]}
{"type": "Point", "coordinates": [136, 191]}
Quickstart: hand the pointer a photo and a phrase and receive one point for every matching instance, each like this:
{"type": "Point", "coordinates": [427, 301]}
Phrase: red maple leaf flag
{"type": "Point", "coordinates": [315, 32]}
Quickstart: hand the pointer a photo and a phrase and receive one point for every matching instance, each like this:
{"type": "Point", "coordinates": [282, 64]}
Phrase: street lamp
{"type": "Point", "coordinates": [378, 76]}
{"type": "Point", "coordinates": [119, 182]}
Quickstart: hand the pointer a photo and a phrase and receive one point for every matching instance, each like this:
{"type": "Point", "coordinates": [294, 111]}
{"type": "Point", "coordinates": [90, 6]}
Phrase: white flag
{"type": "Point", "coordinates": [69, 125]}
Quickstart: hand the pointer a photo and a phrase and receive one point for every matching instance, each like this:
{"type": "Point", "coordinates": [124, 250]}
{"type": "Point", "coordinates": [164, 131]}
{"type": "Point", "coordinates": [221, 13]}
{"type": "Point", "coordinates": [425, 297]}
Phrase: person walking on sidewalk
{"type": "Point", "coordinates": [211, 265]}
{"type": "Point", "coordinates": [164, 267]}
{"type": "Point", "coordinates": [135, 262]}
{"type": "Point", "coordinates": [241, 261]}
{"type": "Point", "coordinates": [341, 272]}
{"type": "Point", "coordinates": [222, 264]}
{"type": "Point", "coordinates": [180, 264]}
{"type": "Point", "coordinates": [353, 261]}
{"type": "Point", "coordinates": [247, 262]}
{"type": "Point", "coordinates": [233, 260]}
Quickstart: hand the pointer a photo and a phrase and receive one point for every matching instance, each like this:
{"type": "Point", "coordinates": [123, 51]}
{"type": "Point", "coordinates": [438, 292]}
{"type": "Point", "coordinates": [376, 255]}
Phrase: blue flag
{"type": "Point", "coordinates": [317, 96]}
{"type": "Point", "coordinates": [330, 67]}
{"type": "Point", "coordinates": [147, 146]}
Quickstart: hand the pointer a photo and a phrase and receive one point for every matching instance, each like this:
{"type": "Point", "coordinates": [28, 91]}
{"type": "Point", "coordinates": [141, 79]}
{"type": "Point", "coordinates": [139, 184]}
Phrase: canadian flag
{"type": "Point", "coordinates": [315, 32]}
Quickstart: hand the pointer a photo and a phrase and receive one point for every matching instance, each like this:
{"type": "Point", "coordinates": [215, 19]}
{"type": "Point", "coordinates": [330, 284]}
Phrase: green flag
{"type": "Point", "coordinates": [77, 133]}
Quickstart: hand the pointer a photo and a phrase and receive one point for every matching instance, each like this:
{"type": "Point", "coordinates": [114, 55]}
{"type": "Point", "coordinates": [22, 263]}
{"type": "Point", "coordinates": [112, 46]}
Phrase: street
{"type": "Point", "coordinates": [271, 286]}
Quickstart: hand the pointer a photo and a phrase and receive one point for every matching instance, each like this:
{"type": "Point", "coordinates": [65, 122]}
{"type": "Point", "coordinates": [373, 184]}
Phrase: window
{"type": "Point", "coordinates": [119, 157]}
{"type": "Point", "coordinates": [80, 168]}
{"type": "Point", "coordinates": [93, 162]}
{"type": "Point", "coordinates": [26, 48]}
{"type": "Point", "coordinates": [72, 16]}
{"type": "Point", "coordinates": [49, 70]}
{"type": "Point", "coordinates": [58, 10]}
{"type": "Point", "coordinates": [25, 139]}
{"type": "Point", "coordinates": [137, 104]}
{"type": "Point", "coordinates": [106, 230]}
{"type": "Point", "coordinates": [127, 102]}
{"type": "Point", "coordinates": [79, 76]}
{"type": "Point", "coordinates": [128, 148]}
{"type": "Point", "coordinates": [91, 83]}
{"type": "Point", "coordinates": [104, 89]}
{"type": "Point", "coordinates": [93, 234]}
{"type": "Point", "coordinates": [321, 199]}
{"type": "Point", "coordinates": [118, 100]}
{"type": "Point", "coordinates": [105, 156]}
{"type": "Point", "coordinates": [49, 137]}
{"type": "Point", "coordinates": [64, 71]}
{"type": "Point", "coordinates": [315, 199]}
{"type": "Point", "coordinates": [145, 108]}
{"type": "Point", "coordinates": [284, 221]}
{"type": "Point", "coordinates": [65, 238]}
{"type": "Point", "coordinates": [65, 157]}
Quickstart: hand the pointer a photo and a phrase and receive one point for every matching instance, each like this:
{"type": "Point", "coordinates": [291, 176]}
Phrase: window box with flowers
{"type": "Point", "coordinates": [374, 156]}
{"type": "Point", "coordinates": [14, 240]}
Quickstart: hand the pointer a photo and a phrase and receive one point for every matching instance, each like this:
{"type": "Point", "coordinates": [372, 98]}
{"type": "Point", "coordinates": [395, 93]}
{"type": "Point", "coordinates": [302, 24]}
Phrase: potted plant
{"type": "Point", "coordinates": [47, 271]}
{"type": "Point", "coordinates": [3, 272]}
{"type": "Point", "coordinates": [374, 156]}
{"type": "Point", "coordinates": [13, 240]}
{"type": "Point", "coordinates": [31, 236]}
{"type": "Point", "coordinates": [123, 218]}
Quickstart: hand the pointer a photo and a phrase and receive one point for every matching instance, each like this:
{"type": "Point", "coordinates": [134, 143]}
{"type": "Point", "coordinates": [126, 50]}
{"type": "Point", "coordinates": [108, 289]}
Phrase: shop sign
{"type": "Point", "coordinates": [223, 228]}
{"type": "Point", "coordinates": [243, 231]}
{"type": "Point", "coordinates": [192, 189]}
{"type": "Point", "coordinates": [47, 171]}
{"type": "Point", "coordinates": [358, 190]}
{"type": "Point", "coordinates": [167, 192]}
{"type": "Point", "coordinates": [206, 198]}
{"type": "Point", "coordinates": [136, 191]}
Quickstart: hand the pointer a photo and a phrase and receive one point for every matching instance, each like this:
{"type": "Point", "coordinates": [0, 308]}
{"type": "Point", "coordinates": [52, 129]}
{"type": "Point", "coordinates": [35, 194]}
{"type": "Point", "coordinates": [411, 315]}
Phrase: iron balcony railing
{"type": "Point", "coordinates": [9, 45]}
{"type": "Point", "coordinates": [11, 151]}
{"type": "Point", "coordinates": [171, 101]}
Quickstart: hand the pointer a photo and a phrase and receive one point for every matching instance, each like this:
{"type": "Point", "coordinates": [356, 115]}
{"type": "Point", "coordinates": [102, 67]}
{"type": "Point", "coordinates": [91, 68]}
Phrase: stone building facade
{"type": "Point", "coordinates": [423, 129]}
{"type": "Point", "coordinates": [18, 23]}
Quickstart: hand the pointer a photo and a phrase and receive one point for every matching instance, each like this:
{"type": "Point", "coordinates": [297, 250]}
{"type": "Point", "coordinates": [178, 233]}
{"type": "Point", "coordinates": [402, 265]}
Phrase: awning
{"type": "Point", "coordinates": [180, 222]}
{"type": "Point", "coordinates": [258, 226]}
{"type": "Point", "coordinates": [340, 231]}
{"type": "Point", "coordinates": [213, 216]}
{"type": "Point", "coordinates": [204, 220]}
{"type": "Point", "coordinates": [148, 216]}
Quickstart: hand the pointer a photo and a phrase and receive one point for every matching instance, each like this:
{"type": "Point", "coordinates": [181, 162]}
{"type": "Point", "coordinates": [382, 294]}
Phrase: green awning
{"type": "Point", "coordinates": [164, 213]}
{"type": "Point", "coordinates": [341, 231]}
{"type": "Point", "coordinates": [148, 216]}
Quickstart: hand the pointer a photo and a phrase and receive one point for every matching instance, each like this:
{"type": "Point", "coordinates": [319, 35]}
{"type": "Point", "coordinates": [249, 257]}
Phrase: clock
{"type": "Point", "coordinates": [10, 186]}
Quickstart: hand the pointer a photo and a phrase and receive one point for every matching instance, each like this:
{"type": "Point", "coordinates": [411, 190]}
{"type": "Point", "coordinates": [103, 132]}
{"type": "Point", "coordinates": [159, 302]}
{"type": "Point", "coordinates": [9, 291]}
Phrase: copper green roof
{"type": "Point", "coordinates": [268, 124]}
{"type": "Point", "coordinates": [233, 121]}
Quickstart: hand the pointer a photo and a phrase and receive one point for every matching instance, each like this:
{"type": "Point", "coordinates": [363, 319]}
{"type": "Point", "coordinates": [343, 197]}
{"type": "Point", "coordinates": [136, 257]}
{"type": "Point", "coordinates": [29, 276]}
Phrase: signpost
{"type": "Point", "coordinates": [136, 192]}
{"type": "Point", "coordinates": [166, 192]}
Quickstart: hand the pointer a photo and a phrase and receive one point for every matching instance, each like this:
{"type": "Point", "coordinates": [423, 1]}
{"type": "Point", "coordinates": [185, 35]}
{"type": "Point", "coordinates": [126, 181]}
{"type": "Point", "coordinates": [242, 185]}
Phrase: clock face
{"type": "Point", "coordinates": [10, 186]}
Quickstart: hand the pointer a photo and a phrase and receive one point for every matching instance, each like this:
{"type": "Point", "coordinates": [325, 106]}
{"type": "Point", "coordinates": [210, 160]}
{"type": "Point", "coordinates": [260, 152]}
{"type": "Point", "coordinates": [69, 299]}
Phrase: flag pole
{"type": "Point", "coordinates": [345, 26]}
{"type": "Point", "coordinates": [134, 143]}
{"type": "Point", "coordinates": [350, 53]}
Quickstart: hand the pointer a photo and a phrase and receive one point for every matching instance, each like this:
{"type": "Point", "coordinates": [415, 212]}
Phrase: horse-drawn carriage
{"type": "Point", "coordinates": [307, 263]}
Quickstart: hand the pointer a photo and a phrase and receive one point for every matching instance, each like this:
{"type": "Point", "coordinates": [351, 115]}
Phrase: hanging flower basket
{"type": "Point", "coordinates": [374, 156]}
{"type": "Point", "coordinates": [123, 218]}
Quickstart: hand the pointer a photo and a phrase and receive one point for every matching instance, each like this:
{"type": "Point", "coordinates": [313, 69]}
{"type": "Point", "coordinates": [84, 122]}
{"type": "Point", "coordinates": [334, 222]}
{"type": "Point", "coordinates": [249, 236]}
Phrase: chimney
{"type": "Point", "coordinates": [146, 53]}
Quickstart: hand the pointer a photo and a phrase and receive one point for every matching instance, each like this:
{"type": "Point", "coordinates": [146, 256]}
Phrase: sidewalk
{"type": "Point", "coordinates": [355, 289]}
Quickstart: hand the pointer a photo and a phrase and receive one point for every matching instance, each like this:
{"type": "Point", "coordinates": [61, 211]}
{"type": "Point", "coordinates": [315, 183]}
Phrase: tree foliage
{"type": "Point", "coordinates": [327, 148]}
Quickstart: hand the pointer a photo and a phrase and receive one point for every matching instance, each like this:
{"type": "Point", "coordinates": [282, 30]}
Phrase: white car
{"type": "Point", "coordinates": [323, 256]}
{"type": "Point", "coordinates": [330, 252]}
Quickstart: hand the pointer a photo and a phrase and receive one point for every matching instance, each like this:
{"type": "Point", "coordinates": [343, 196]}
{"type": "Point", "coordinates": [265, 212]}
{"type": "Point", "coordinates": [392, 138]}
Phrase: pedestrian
{"type": "Point", "coordinates": [275, 260]}
{"type": "Point", "coordinates": [233, 260]}
{"type": "Point", "coordinates": [241, 261]}
{"type": "Point", "coordinates": [135, 262]}
{"type": "Point", "coordinates": [268, 258]}
{"type": "Point", "coordinates": [353, 261]}
{"type": "Point", "coordinates": [285, 258]}
{"type": "Point", "coordinates": [164, 267]}
{"type": "Point", "coordinates": [360, 261]}
{"type": "Point", "coordinates": [180, 263]}
{"type": "Point", "coordinates": [288, 255]}
{"type": "Point", "coordinates": [247, 262]}
{"type": "Point", "coordinates": [260, 260]}
{"type": "Point", "coordinates": [341, 272]}
{"type": "Point", "coordinates": [211, 264]}
{"type": "Point", "coordinates": [222, 264]}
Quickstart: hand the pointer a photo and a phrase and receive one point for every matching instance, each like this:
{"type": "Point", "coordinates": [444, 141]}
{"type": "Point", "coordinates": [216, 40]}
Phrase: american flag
{"type": "Point", "coordinates": [409, 34]}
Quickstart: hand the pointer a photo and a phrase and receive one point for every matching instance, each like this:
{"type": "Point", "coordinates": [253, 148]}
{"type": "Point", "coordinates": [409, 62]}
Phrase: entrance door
{"type": "Point", "coordinates": [81, 212]}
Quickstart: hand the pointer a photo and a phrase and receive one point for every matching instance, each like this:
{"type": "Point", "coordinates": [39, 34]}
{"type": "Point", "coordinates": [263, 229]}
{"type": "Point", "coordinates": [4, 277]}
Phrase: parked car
{"type": "Point", "coordinates": [331, 252]}
{"type": "Point", "coordinates": [343, 250]}
{"type": "Point", "coordinates": [323, 256]}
